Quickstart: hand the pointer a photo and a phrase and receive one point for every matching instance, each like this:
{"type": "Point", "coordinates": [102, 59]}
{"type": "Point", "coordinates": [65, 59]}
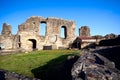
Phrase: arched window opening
{"type": "Point", "coordinates": [63, 32]}
{"type": "Point", "coordinates": [43, 28]}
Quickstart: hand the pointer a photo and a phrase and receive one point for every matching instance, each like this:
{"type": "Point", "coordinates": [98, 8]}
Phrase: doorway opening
{"type": "Point", "coordinates": [33, 43]}
{"type": "Point", "coordinates": [77, 43]}
{"type": "Point", "coordinates": [19, 42]}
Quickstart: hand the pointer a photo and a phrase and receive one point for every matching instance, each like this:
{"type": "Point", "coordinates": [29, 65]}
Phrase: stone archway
{"type": "Point", "coordinates": [33, 43]}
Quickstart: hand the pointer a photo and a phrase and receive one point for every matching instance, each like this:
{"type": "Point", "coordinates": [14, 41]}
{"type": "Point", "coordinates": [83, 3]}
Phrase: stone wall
{"type": "Point", "coordinates": [84, 31]}
{"type": "Point", "coordinates": [31, 30]}
{"type": "Point", "coordinates": [92, 66]}
{"type": "Point", "coordinates": [6, 31]}
{"type": "Point", "coordinates": [6, 38]}
{"type": "Point", "coordinates": [29, 38]}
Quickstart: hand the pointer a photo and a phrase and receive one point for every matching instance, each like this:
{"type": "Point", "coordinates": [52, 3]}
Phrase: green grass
{"type": "Point", "coordinates": [37, 62]}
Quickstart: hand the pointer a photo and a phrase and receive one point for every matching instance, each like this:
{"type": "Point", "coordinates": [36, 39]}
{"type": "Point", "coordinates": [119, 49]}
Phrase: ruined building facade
{"type": "Point", "coordinates": [29, 38]}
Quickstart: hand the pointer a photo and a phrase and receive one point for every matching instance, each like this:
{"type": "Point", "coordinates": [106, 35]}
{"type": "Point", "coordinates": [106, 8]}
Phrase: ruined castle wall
{"type": "Point", "coordinates": [54, 29]}
{"type": "Point", "coordinates": [6, 43]}
{"type": "Point", "coordinates": [6, 31]}
{"type": "Point", "coordinates": [54, 25]}
{"type": "Point", "coordinates": [26, 41]}
{"type": "Point", "coordinates": [84, 31]}
{"type": "Point", "coordinates": [31, 26]}
{"type": "Point", "coordinates": [28, 36]}
{"type": "Point", "coordinates": [6, 38]}
{"type": "Point", "coordinates": [31, 30]}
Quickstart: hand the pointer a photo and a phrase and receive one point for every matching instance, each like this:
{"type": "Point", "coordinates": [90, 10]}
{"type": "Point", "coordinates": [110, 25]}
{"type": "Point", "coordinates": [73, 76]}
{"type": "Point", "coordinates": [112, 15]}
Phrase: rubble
{"type": "Point", "coordinates": [93, 66]}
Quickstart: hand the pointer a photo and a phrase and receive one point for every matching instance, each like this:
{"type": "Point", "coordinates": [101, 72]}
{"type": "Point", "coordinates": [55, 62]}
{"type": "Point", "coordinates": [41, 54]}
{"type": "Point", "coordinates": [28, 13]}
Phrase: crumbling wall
{"type": "Point", "coordinates": [84, 31]}
{"type": "Point", "coordinates": [29, 38]}
{"type": "Point", "coordinates": [6, 31]}
{"type": "Point", "coordinates": [6, 38]}
{"type": "Point", "coordinates": [31, 26]}
{"type": "Point", "coordinates": [31, 30]}
{"type": "Point", "coordinates": [92, 66]}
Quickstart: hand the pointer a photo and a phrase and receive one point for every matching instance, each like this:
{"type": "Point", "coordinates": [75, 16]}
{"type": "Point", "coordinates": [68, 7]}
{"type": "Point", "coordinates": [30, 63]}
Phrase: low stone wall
{"type": "Point", "coordinates": [93, 66]}
{"type": "Point", "coordinates": [10, 51]}
{"type": "Point", "coordinates": [6, 75]}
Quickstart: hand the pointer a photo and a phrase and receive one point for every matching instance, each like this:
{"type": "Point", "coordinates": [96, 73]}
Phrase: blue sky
{"type": "Point", "coordinates": [102, 16]}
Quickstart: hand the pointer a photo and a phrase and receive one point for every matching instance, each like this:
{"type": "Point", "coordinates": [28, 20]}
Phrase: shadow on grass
{"type": "Point", "coordinates": [2, 75]}
{"type": "Point", "coordinates": [56, 69]}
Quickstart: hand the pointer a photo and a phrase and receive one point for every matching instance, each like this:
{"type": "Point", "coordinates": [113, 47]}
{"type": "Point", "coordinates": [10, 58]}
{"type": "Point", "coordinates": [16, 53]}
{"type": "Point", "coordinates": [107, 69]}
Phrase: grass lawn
{"type": "Point", "coordinates": [43, 64]}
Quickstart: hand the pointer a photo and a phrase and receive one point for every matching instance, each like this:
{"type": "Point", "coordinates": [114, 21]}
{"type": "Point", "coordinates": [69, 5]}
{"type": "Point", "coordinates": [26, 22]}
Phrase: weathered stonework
{"type": "Point", "coordinates": [84, 31]}
{"type": "Point", "coordinates": [7, 40]}
{"type": "Point", "coordinates": [29, 38]}
{"type": "Point", "coordinates": [92, 66]}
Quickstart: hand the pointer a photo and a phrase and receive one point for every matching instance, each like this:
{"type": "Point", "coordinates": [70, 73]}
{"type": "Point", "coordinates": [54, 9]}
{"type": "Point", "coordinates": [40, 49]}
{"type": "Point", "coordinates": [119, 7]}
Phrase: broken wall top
{"type": "Point", "coordinates": [84, 31]}
{"type": "Point", "coordinates": [33, 23]}
{"type": "Point", "coordinates": [6, 31]}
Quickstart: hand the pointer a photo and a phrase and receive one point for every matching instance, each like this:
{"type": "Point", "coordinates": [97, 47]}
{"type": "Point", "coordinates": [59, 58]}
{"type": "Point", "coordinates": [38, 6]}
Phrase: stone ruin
{"type": "Point", "coordinates": [84, 31]}
{"type": "Point", "coordinates": [93, 66]}
{"type": "Point", "coordinates": [100, 62]}
{"type": "Point", "coordinates": [28, 37]}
